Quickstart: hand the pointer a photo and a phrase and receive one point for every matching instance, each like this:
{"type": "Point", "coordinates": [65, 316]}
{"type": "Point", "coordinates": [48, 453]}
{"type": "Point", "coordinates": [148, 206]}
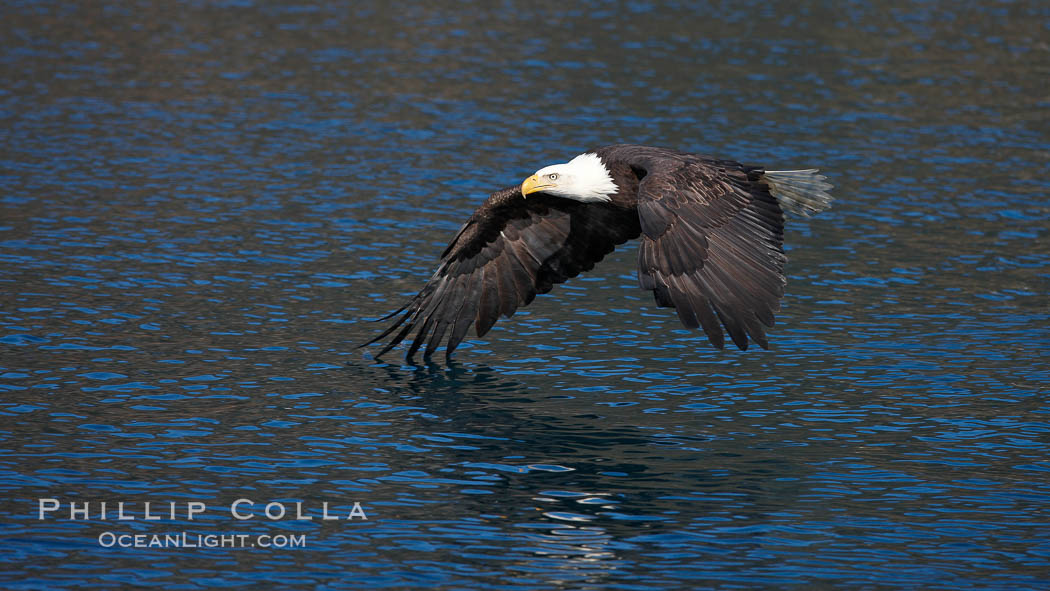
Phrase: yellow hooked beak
{"type": "Point", "coordinates": [533, 184]}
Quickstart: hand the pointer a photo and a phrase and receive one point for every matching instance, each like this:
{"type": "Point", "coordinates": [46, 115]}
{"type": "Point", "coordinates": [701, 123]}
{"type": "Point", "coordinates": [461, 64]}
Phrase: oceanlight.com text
{"type": "Point", "coordinates": [109, 539]}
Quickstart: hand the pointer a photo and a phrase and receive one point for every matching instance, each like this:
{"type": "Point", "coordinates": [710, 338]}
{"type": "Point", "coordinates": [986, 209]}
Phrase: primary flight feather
{"type": "Point", "coordinates": [711, 243]}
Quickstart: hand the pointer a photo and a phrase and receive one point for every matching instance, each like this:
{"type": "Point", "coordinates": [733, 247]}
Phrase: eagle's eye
{"type": "Point", "coordinates": [553, 176]}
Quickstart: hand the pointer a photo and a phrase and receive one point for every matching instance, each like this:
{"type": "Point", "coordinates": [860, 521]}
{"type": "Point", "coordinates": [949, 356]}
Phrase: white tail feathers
{"type": "Point", "coordinates": [802, 192]}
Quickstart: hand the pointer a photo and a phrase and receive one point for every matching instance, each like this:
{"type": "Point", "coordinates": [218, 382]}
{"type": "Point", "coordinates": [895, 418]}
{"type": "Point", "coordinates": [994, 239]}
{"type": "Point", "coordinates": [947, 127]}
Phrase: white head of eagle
{"type": "Point", "coordinates": [584, 178]}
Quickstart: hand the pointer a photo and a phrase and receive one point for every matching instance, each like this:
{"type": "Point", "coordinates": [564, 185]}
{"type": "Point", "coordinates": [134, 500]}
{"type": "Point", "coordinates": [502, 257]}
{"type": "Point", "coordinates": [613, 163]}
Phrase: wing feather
{"type": "Point", "coordinates": [435, 339]}
{"type": "Point", "coordinates": [489, 303]}
{"type": "Point", "coordinates": [712, 239]}
{"type": "Point", "coordinates": [510, 250]}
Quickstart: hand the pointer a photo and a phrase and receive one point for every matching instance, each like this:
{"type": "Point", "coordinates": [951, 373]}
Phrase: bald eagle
{"type": "Point", "coordinates": [711, 243]}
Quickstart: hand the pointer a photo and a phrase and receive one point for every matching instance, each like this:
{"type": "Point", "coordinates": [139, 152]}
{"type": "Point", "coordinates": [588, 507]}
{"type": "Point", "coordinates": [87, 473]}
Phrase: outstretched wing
{"type": "Point", "coordinates": [712, 237]}
{"type": "Point", "coordinates": [511, 249]}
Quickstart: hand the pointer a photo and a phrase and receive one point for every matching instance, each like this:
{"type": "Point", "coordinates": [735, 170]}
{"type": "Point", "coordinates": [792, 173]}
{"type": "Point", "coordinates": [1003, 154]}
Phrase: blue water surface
{"type": "Point", "coordinates": [202, 204]}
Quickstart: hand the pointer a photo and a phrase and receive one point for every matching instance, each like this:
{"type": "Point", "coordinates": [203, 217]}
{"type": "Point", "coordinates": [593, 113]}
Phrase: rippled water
{"type": "Point", "coordinates": [201, 204]}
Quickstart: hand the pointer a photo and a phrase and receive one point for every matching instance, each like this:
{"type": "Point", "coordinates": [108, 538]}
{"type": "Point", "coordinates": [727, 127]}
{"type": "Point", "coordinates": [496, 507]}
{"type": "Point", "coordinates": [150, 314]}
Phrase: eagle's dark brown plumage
{"type": "Point", "coordinates": [711, 246]}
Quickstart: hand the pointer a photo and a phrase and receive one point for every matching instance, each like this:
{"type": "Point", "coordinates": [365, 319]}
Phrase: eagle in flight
{"type": "Point", "coordinates": [711, 243]}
